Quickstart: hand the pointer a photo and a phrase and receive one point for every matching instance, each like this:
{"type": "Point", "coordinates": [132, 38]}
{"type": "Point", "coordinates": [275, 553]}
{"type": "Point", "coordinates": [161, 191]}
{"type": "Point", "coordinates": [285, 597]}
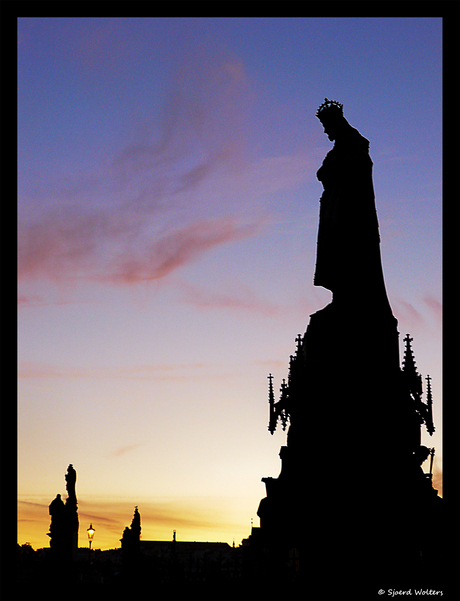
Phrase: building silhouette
{"type": "Point", "coordinates": [177, 569]}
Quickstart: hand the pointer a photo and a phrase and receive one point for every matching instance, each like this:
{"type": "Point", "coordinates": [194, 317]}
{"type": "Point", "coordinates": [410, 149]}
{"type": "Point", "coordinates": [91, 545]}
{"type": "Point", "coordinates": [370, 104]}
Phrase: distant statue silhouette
{"type": "Point", "coordinates": [64, 521]}
{"type": "Point", "coordinates": [71, 479]}
{"type": "Point", "coordinates": [56, 507]}
{"type": "Point", "coordinates": [130, 544]}
{"type": "Point", "coordinates": [348, 249]}
{"type": "Point", "coordinates": [131, 536]}
{"type": "Point", "coordinates": [58, 517]}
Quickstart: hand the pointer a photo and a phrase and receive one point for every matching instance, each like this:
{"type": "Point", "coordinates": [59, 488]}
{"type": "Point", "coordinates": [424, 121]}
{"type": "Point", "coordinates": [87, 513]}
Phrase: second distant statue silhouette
{"type": "Point", "coordinates": [348, 248]}
{"type": "Point", "coordinates": [64, 521]}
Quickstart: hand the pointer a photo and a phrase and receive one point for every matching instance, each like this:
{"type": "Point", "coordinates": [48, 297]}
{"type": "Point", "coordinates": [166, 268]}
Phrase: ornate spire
{"type": "Point", "coordinates": [271, 401]}
{"type": "Point", "coordinates": [282, 401]}
{"type": "Point", "coordinates": [429, 411]}
{"type": "Point", "coordinates": [408, 361]}
{"type": "Point", "coordinates": [414, 380]}
{"type": "Point", "coordinates": [278, 410]}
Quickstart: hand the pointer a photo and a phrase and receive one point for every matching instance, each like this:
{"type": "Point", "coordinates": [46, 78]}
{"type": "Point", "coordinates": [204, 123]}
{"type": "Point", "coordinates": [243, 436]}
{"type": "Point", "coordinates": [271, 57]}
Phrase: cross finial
{"type": "Point", "coordinates": [299, 341]}
{"type": "Point", "coordinates": [271, 397]}
{"type": "Point", "coordinates": [408, 361]}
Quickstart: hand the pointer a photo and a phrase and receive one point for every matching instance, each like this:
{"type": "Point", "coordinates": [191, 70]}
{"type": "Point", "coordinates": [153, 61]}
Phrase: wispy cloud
{"type": "Point", "coordinates": [140, 217]}
{"type": "Point", "coordinates": [29, 300]}
{"type": "Point", "coordinates": [174, 250]}
{"type": "Point", "coordinates": [62, 247]}
{"type": "Point", "coordinates": [31, 369]}
{"type": "Point", "coordinates": [125, 449]}
{"type": "Point", "coordinates": [419, 316]}
{"type": "Point", "coordinates": [169, 512]}
{"type": "Point", "coordinates": [129, 231]}
{"type": "Point", "coordinates": [33, 504]}
{"type": "Point", "coordinates": [270, 363]}
{"type": "Point", "coordinates": [434, 305]}
{"type": "Point", "coordinates": [202, 127]}
{"type": "Point", "coordinates": [36, 300]}
{"type": "Point", "coordinates": [241, 299]}
{"type": "Point", "coordinates": [407, 313]}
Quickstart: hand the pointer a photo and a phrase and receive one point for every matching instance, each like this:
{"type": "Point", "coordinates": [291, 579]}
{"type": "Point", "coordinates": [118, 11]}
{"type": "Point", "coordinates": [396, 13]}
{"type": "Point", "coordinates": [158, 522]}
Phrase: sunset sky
{"type": "Point", "coordinates": [167, 219]}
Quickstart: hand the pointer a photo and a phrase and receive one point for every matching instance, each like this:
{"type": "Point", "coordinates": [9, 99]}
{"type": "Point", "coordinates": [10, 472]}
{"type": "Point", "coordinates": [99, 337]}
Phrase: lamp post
{"type": "Point", "coordinates": [90, 532]}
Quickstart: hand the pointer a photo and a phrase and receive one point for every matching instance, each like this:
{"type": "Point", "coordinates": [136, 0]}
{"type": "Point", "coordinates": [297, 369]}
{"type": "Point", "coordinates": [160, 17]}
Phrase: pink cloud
{"type": "Point", "coordinates": [126, 449]}
{"type": "Point", "coordinates": [242, 299]}
{"type": "Point", "coordinates": [434, 305]}
{"type": "Point", "coordinates": [271, 363]}
{"type": "Point", "coordinates": [61, 243]}
{"type": "Point", "coordinates": [114, 232]}
{"type": "Point", "coordinates": [29, 300]}
{"type": "Point", "coordinates": [408, 314]}
{"type": "Point", "coordinates": [30, 369]}
{"type": "Point", "coordinates": [65, 249]}
{"type": "Point", "coordinates": [174, 250]}
{"type": "Point", "coordinates": [122, 239]}
{"type": "Point", "coordinates": [201, 129]}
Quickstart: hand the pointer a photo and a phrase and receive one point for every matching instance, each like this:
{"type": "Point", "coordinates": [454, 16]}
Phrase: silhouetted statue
{"type": "Point", "coordinates": [70, 481]}
{"type": "Point", "coordinates": [131, 536]}
{"type": "Point", "coordinates": [130, 547]}
{"type": "Point", "coordinates": [348, 250]}
{"type": "Point", "coordinates": [57, 526]}
{"type": "Point", "coordinates": [351, 493]}
{"type": "Point", "coordinates": [64, 522]}
{"type": "Point", "coordinates": [71, 509]}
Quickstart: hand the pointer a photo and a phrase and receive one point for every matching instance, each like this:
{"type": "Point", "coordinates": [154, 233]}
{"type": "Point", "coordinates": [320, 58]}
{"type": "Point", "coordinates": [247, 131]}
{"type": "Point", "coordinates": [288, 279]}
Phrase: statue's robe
{"type": "Point", "coordinates": [348, 247]}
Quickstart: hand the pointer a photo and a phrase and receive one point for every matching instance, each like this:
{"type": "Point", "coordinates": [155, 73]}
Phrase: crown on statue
{"type": "Point", "coordinates": [329, 108]}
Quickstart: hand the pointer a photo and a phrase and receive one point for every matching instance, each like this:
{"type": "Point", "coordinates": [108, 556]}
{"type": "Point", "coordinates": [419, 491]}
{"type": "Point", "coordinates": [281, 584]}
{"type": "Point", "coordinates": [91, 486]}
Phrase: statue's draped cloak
{"type": "Point", "coordinates": [348, 248]}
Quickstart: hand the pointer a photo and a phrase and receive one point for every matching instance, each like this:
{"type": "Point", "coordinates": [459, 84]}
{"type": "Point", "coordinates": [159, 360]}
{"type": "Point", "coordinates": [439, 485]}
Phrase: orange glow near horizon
{"type": "Point", "coordinates": [196, 519]}
{"type": "Point", "coordinates": [210, 520]}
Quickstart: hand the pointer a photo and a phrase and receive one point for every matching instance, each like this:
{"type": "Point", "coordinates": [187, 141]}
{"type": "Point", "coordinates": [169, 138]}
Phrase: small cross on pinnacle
{"type": "Point", "coordinates": [299, 341]}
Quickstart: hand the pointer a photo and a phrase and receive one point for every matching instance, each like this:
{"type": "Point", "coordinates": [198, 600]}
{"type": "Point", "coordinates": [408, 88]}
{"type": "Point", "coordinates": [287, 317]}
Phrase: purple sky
{"type": "Point", "coordinates": [168, 211]}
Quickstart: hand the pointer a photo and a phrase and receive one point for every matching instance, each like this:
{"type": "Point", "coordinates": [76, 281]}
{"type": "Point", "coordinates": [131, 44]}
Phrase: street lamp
{"type": "Point", "coordinates": [90, 532]}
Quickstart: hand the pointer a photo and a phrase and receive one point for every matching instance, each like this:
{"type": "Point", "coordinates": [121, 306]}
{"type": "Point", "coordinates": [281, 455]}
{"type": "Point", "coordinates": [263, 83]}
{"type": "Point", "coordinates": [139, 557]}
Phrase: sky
{"type": "Point", "coordinates": [167, 218]}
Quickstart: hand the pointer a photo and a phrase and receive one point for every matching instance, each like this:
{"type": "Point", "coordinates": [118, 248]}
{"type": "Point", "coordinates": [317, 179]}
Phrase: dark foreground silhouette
{"type": "Point", "coordinates": [352, 514]}
{"type": "Point", "coordinates": [351, 511]}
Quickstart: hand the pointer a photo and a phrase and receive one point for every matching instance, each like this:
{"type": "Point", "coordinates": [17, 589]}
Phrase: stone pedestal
{"type": "Point", "coordinates": [350, 497]}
